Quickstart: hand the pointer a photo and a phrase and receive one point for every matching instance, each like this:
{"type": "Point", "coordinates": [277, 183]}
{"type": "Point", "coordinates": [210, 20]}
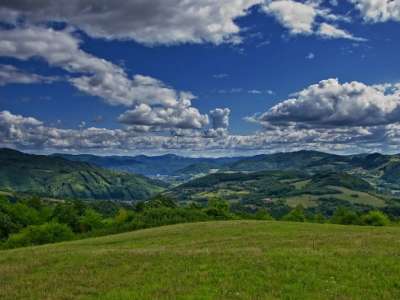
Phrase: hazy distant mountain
{"type": "Point", "coordinates": [60, 178]}
{"type": "Point", "coordinates": [312, 161]}
{"type": "Point", "coordinates": [168, 164]}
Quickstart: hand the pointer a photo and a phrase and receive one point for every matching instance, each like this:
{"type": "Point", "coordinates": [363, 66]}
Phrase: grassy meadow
{"type": "Point", "coordinates": [344, 194]}
{"type": "Point", "coordinates": [212, 260]}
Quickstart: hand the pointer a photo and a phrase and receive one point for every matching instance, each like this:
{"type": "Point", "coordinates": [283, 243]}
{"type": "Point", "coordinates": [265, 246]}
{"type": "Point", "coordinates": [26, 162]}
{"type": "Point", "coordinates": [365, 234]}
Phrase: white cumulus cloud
{"type": "Point", "coordinates": [11, 75]}
{"type": "Point", "coordinates": [302, 18]}
{"type": "Point", "coordinates": [378, 10]}
{"type": "Point", "coordinates": [296, 16]}
{"type": "Point", "coordinates": [145, 21]}
{"type": "Point", "coordinates": [93, 75]}
{"type": "Point", "coordinates": [182, 116]}
{"type": "Point", "coordinates": [27, 133]}
{"type": "Point", "coordinates": [331, 32]}
{"type": "Point", "coordinates": [330, 103]}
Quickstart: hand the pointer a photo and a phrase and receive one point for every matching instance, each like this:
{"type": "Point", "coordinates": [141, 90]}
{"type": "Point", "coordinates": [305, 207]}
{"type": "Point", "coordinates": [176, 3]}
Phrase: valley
{"type": "Point", "coordinates": [320, 182]}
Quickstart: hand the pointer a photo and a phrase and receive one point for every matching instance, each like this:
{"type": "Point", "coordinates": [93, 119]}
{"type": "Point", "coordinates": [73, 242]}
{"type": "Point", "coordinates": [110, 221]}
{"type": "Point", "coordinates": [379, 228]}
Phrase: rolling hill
{"type": "Point", "coordinates": [381, 171]}
{"type": "Point", "coordinates": [211, 260]}
{"type": "Point", "coordinates": [278, 191]}
{"type": "Point", "coordinates": [60, 178]}
{"type": "Point", "coordinates": [311, 161]}
{"type": "Point", "coordinates": [311, 178]}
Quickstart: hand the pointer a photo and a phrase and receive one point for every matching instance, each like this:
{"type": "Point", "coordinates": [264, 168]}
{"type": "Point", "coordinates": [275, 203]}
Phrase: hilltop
{"type": "Point", "coordinates": [213, 260]}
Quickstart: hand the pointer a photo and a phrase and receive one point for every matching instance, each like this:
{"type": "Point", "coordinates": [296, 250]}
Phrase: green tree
{"type": "Point", "coordinates": [80, 206]}
{"type": "Point", "coordinates": [90, 220]}
{"type": "Point", "coordinates": [34, 202]}
{"type": "Point", "coordinates": [218, 208]}
{"type": "Point", "coordinates": [218, 203]}
{"type": "Point", "coordinates": [319, 218]}
{"type": "Point", "coordinates": [7, 226]}
{"type": "Point", "coordinates": [66, 213]}
{"type": "Point", "coordinates": [375, 218]}
{"type": "Point", "coordinates": [295, 215]}
{"type": "Point", "coordinates": [40, 234]}
{"type": "Point", "coordinates": [160, 201]}
{"type": "Point", "coordinates": [263, 214]}
{"type": "Point", "coordinates": [345, 216]}
{"type": "Point", "coordinates": [139, 207]}
{"type": "Point", "coordinates": [122, 216]}
{"type": "Point", "coordinates": [194, 205]}
{"type": "Point", "coordinates": [23, 214]}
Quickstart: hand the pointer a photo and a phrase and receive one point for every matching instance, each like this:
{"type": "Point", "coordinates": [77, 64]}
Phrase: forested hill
{"type": "Point", "coordinates": [60, 178]}
{"type": "Point", "coordinates": [383, 166]}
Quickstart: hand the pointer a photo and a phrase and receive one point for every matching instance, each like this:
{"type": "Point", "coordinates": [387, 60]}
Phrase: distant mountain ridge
{"type": "Point", "coordinates": [85, 176]}
{"type": "Point", "coordinates": [168, 164]}
{"type": "Point", "coordinates": [311, 159]}
{"type": "Point", "coordinates": [319, 181]}
{"type": "Point", "coordinates": [56, 177]}
{"type": "Point", "coordinates": [374, 165]}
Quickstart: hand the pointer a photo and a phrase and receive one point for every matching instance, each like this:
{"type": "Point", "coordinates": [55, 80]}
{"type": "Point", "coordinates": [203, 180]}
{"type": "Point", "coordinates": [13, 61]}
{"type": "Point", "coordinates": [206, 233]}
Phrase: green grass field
{"type": "Point", "coordinates": [212, 260]}
{"type": "Point", "coordinates": [345, 194]}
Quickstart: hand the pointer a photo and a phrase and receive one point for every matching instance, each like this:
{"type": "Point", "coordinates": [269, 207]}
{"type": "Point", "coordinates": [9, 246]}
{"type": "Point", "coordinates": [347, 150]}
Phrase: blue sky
{"type": "Point", "coordinates": [241, 61]}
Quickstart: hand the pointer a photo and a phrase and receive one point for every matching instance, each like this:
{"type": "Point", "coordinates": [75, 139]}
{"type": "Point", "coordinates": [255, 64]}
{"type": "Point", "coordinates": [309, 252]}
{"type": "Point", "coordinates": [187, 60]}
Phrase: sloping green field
{"type": "Point", "coordinates": [345, 194]}
{"type": "Point", "coordinates": [213, 260]}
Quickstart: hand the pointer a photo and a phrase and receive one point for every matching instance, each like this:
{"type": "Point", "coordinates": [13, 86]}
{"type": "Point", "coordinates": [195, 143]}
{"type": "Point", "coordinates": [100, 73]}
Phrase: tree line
{"type": "Point", "coordinates": [34, 221]}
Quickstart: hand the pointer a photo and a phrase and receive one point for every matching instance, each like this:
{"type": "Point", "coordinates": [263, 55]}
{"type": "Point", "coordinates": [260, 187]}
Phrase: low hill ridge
{"type": "Point", "coordinates": [57, 177]}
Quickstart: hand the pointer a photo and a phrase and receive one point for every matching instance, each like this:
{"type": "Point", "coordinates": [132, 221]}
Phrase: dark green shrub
{"type": "Point", "coordinates": [318, 218]}
{"type": "Point", "coordinates": [23, 214]}
{"type": "Point", "coordinates": [67, 214]}
{"type": "Point", "coordinates": [40, 234]}
{"type": "Point", "coordinates": [166, 216]}
{"type": "Point", "coordinates": [218, 208]}
{"type": "Point", "coordinates": [263, 214]}
{"type": "Point", "coordinates": [160, 201]}
{"type": "Point", "coordinates": [7, 226]}
{"type": "Point", "coordinates": [91, 220]}
{"type": "Point", "coordinates": [375, 218]}
{"type": "Point", "coordinates": [345, 216]}
{"type": "Point", "coordinates": [295, 215]}
{"type": "Point", "coordinates": [123, 216]}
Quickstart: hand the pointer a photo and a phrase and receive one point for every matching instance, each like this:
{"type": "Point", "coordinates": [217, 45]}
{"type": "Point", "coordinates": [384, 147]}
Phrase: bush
{"type": "Point", "coordinates": [166, 216]}
{"type": "Point", "coordinates": [91, 220]}
{"type": "Point", "coordinates": [67, 214]}
{"type": "Point", "coordinates": [160, 201]}
{"type": "Point", "coordinates": [23, 215]}
{"type": "Point", "coordinates": [40, 234]}
{"type": "Point", "coordinates": [218, 208]}
{"type": "Point", "coordinates": [121, 217]}
{"type": "Point", "coordinates": [7, 226]}
{"type": "Point", "coordinates": [375, 218]}
{"type": "Point", "coordinates": [345, 216]}
{"type": "Point", "coordinates": [295, 215]}
{"type": "Point", "coordinates": [318, 218]}
{"type": "Point", "coordinates": [262, 214]}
